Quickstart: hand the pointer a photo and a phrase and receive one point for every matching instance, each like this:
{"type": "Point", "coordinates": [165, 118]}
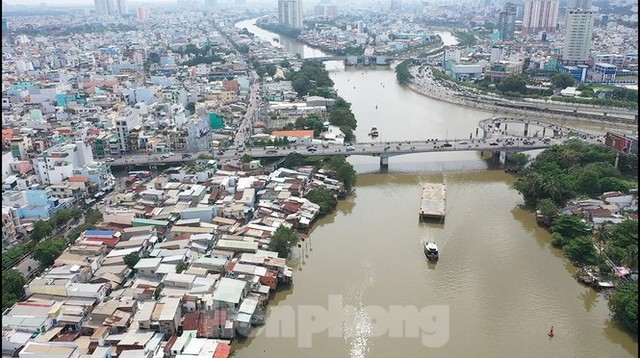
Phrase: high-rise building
{"type": "Point", "coordinates": [507, 21]}
{"type": "Point", "coordinates": [101, 7]}
{"type": "Point", "coordinates": [122, 7]}
{"type": "Point", "coordinates": [540, 15]}
{"type": "Point", "coordinates": [579, 4]}
{"type": "Point", "coordinates": [142, 14]}
{"type": "Point", "coordinates": [290, 13]}
{"type": "Point", "coordinates": [108, 7]}
{"type": "Point", "coordinates": [577, 36]}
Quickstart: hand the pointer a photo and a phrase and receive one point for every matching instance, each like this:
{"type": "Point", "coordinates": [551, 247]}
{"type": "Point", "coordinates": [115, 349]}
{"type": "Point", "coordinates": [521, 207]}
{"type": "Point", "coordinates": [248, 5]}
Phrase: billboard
{"type": "Point", "coordinates": [621, 143]}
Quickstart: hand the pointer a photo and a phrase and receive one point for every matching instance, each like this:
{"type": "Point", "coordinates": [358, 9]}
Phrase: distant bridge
{"type": "Point", "coordinates": [353, 60]}
{"type": "Point", "coordinates": [494, 138]}
{"type": "Point", "coordinates": [380, 60]}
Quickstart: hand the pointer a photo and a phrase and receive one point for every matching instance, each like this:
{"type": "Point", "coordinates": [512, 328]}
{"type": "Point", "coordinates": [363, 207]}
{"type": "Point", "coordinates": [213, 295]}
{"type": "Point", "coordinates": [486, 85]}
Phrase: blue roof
{"type": "Point", "coordinates": [99, 233]}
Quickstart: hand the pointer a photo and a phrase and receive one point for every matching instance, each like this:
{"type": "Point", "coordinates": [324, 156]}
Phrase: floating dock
{"type": "Point", "coordinates": [432, 202]}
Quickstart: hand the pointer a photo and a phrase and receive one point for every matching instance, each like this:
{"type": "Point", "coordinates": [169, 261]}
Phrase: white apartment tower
{"type": "Point", "coordinates": [122, 7]}
{"type": "Point", "coordinates": [540, 15]}
{"type": "Point", "coordinates": [290, 13]}
{"type": "Point", "coordinates": [578, 32]}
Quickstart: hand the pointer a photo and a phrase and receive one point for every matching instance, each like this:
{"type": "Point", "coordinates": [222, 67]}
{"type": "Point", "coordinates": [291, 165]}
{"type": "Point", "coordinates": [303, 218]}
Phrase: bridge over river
{"type": "Point", "coordinates": [498, 136]}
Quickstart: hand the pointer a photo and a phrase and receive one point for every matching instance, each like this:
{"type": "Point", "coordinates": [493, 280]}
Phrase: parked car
{"type": "Point", "coordinates": [350, 148]}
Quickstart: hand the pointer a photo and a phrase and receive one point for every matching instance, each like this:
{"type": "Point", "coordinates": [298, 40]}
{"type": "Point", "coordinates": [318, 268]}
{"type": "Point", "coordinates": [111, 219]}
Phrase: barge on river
{"type": "Point", "coordinates": [432, 202]}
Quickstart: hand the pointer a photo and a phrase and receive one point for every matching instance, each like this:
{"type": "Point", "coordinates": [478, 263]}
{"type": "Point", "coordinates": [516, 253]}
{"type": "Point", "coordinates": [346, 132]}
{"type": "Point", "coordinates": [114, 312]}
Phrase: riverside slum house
{"type": "Point", "coordinates": [610, 208]}
{"type": "Point", "coordinates": [203, 277]}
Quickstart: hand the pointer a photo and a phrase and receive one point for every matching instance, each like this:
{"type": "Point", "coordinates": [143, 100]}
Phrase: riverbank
{"type": "Point", "coordinates": [428, 87]}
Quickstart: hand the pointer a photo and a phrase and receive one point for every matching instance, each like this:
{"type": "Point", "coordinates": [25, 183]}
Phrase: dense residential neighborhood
{"type": "Point", "coordinates": [138, 218]}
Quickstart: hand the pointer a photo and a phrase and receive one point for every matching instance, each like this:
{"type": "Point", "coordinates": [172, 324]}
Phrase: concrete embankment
{"type": "Point", "coordinates": [479, 104]}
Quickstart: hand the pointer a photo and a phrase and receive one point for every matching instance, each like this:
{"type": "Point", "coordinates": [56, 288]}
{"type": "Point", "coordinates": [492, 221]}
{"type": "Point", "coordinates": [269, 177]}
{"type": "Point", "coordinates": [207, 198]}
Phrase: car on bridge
{"type": "Point", "coordinates": [493, 143]}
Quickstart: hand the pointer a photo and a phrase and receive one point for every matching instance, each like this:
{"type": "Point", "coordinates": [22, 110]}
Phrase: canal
{"type": "Point", "coordinates": [500, 279]}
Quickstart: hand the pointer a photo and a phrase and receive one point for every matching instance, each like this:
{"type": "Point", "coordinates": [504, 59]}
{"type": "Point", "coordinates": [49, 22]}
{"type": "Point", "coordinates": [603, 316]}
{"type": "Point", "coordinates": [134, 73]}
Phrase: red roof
{"type": "Point", "coordinates": [78, 179]}
{"type": "Point", "coordinates": [191, 321]}
{"type": "Point", "coordinates": [222, 351]}
{"type": "Point", "coordinates": [110, 242]}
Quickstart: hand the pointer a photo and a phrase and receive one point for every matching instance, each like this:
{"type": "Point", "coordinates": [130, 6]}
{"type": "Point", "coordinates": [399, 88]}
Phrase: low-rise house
{"type": "Point", "coordinates": [229, 293]}
{"type": "Point", "coordinates": [148, 267]}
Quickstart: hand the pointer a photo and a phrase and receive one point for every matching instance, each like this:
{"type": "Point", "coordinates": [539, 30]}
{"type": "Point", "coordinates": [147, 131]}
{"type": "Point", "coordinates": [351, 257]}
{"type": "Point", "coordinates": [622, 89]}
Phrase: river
{"type": "Point", "coordinates": [500, 279]}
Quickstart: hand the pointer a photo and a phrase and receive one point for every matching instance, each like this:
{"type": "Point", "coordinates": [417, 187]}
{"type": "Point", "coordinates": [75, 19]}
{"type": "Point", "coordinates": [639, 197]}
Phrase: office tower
{"type": "Point", "coordinates": [290, 13]}
{"type": "Point", "coordinates": [540, 15]}
{"type": "Point", "coordinates": [577, 37]}
{"type": "Point", "coordinates": [5, 27]}
{"type": "Point", "coordinates": [142, 14]}
{"type": "Point", "coordinates": [507, 21]}
{"type": "Point", "coordinates": [122, 7]}
{"type": "Point", "coordinates": [101, 7]}
{"type": "Point", "coordinates": [579, 4]}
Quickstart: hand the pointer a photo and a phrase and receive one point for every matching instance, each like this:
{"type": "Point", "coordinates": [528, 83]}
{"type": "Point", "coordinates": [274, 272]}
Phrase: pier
{"type": "Point", "coordinates": [432, 202]}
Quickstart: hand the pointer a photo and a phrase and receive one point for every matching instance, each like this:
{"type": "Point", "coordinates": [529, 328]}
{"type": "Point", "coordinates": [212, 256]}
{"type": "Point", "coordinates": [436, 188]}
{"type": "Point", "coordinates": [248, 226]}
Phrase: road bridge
{"type": "Point", "coordinates": [496, 137]}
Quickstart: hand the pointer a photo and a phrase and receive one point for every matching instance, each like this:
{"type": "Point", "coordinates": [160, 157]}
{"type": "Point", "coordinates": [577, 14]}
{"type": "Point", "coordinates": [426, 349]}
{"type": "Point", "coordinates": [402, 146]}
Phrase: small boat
{"type": "Point", "coordinates": [431, 251]}
{"type": "Point", "coordinates": [374, 132]}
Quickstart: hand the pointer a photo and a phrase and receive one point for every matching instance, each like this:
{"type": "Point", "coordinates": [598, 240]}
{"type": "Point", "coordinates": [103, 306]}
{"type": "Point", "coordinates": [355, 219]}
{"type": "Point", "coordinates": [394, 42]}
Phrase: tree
{"type": "Point", "coordinates": [131, 259]}
{"type": "Point", "coordinates": [293, 160]}
{"type": "Point", "coordinates": [402, 72]}
{"type": "Point", "coordinates": [589, 182]}
{"type": "Point", "coordinates": [285, 64]}
{"type": "Point", "coordinates": [61, 217]}
{"type": "Point", "coordinates": [513, 83]}
{"type": "Point", "coordinates": [324, 198]}
{"type": "Point", "coordinates": [548, 209]}
{"type": "Point", "coordinates": [301, 85]}
{"type": "Point", "coordinates": [76, 213]}
{"type": "Point", "coordinates": [570, 227]}
{"type": "Point", "coordinates": [342, 171]}
{"type": "Point", "coordinates": [12, 287]}
{"type": "Point", "coordinates": [518, 159]}
{"type": "Point", "coordinates": [47, 251]}
{"type": "Point", "coordinates": [246, 158]}
{"type": "Point", "coordinates": [93, 216]}
{"type": "Point", "coordinates": [562, 80]}
{"type": "Point", "coordinates": [581, 250]}
{"type": "Point", "coordinates": [624, 306]}
{"type": "Point", "coordinates": [282, 239]}
{"type": "Point", "coordinates": [181, 266]}
{"type": "Point", "coordinates": [191, 107]}
{"type": "Point", "coordinates": [41, 229]}
{"type": "Point", "coordinates": [271, 69]}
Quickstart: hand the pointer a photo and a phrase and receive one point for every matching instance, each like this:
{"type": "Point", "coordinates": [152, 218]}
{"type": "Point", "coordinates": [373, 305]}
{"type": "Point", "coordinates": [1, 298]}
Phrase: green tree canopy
{"type": "Point", "coordinates": [513, 83]}
{"type": "Point", "coordinates": [12, 287]}
{"type": "Point", "coordinates": [624, 306]}
{"type": "Point", "coordinates": [324, 198]}
{"type": "Point", "coordinates": [41, 229]}
{"type": "Point", "coordinates": [282, 239]}
{"type": "Point", "coordinates": [562, 80]}
{"type": "Point", "coordinates": [47, 251]}
{"type": "Point", "coordinates": [131, 259]}
{"type": "Point", "coordinates": [581, 250]}
{"type": "Point", "coordinates": [342, 171]}
{"type": "Point", "coordinates": [570, 227]}
{"type": "Point", "coordinates": [548, 208]}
